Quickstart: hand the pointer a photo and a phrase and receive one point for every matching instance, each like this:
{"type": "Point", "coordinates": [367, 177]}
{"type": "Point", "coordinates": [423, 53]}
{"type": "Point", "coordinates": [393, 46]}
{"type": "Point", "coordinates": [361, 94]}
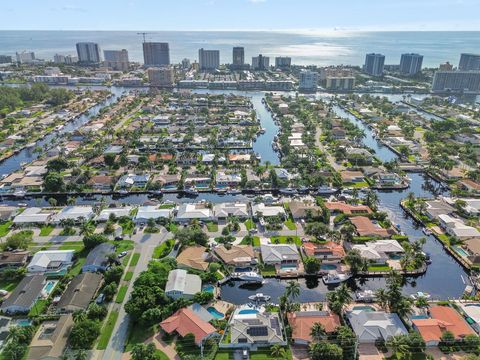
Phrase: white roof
{"type": "Point", "coordinates": [43, 258]}
{"type": "Point", "coordinates": [376, 249]}
{"type": "Point", "coordinates": [193, 211]}
{"type": "Point", "coordinates": [372, 325]}
{"type": "Point", "coordinates": [75, 213]}
{"type": "Point", "coordinates": [230, 209]}
{"type": "Point", "coordinates": [458, 227]}
{"type": "Point", "coordinates": [153, 212]}
{"type": "Point", "coordinates": [33, 215]}
{"type": "Point", "coordinates": [180, 280]}
{"type": "Point", "coordinates": [279, 252]}
{"type": "Point", "coordinates": [118, 212]}
{"type": "Point", "coordinates": [267, 210]}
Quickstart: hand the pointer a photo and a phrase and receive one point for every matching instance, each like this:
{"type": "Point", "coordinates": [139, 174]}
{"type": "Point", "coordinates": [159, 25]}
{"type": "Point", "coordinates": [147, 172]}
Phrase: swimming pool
{"type": "Point", "coordinates": [49, 286]}
{"type": "Point", "coordinates": [247, 311]}
{"type": "Point", "coordinates": [460, 251]}
{"type": "Point", "coordinates": [468, 305]}
{"type": "Point", "coordinates": [215, 313]}
{"type": "Point", "coordinates": [288, 267]}
{"type": "Point", "coordinates": [23, 322]}
{"type": "Point", "coordinates": [209, 288]}
{"type": "Point", "coordinates": [328, 267]}
{"type": "Point", "coordinates": [364, 308]}
{"type": "Point", "coordinates": [420, 317]}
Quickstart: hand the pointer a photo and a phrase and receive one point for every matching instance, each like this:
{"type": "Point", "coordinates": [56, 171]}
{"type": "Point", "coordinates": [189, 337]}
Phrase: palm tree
{"type": "Point", "coordinates": [403, 307]}
{"type": "Point", "coordinates": [292, 290]}
{"type": "Point", "coordinates": [344, 294]}
{"type": "Point", "coordinates": [399, 344]}
{"type": "Point", "coordinates": [277, 351]}
{"type": "Point", "coordinates": [79, 316]}
{"type": "Point", "coordinates": [422, 302]}
{"type": "Point", "coordinates": [317, 332]}
{"type": "Point", "coordinates": [381, 298]}
{"type": "Point", "coordinates": [80, 355]}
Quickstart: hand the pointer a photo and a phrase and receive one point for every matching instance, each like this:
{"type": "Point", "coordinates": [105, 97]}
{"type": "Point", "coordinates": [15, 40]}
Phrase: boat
{"type": "Point", "coordinates": [259, 297]}
{"type": "Point", "coordinates": [325, 190]}
{"type": "Point", "coordinates": [20, 193]}
{"type": "Point", "coordinates": [420, 295]}
{"type": "Point", "coordinates": [250, 276]}
{"type": "Point", "coordinates": [288, 191]}
{"type": "Point", "coordinates": [335, 278]}
{"type": "Point", "coordinates": [428, 259]}
{"type": "Point", "coordinates": [123, 191]}
{"type": "Point", "coordinates": [365, 296]}
{"type": "Point", "coordinates": [303, 189]}
{"type": "Point", "coordinates": [427, 231]}
{"type": "Point", "coordinates": [262, 131]}
{"type": "Point", "coordinates": [234, 192]}
{"type": "Point", "coordinates": [221, 191]}
{"type": "Point", "coordinates": [30, 145]}
{"type": "Point", "coordinates": [191, 191]}
{"type": "Point", "coordinates": [58, 127]}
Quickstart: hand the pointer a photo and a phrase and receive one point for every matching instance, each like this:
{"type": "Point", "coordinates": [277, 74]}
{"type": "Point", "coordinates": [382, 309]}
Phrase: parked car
{"type": "Point", "coordinates": [118, 238]}
{"type": "Point", "coordinates": [122, 254]}
{"type": "Point", "coordinates": [100, 299]}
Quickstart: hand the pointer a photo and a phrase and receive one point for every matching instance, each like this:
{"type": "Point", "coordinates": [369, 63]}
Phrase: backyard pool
{"type": "Point", "coordinates": [23, 322]}
{"type": "Point", "coordinates": [248, 311]}
{"type": "Point", "coordinates": [215, 313]}
{"type": "Point", "coordinates": [328, 267]}
{"type": "Point", "coordinates": [209, 288]}
{"type": "Point", "coordinates": [288, 267]}
{"type": "Point", "coordinates": [460, 251]}
{"type": "Point", "coordinates": [49, 286]}
{"type": "Point", "coordinates": [364, 308]}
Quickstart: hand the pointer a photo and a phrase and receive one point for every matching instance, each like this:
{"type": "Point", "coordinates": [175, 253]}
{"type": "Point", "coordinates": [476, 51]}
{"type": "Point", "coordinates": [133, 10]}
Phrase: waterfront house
{"type": "Point", "coordinates": [194, 257]}
{"type": "Point", "coordinates": [145, 213]}
{"type": "Point", "coordinates": [262, 210]}
{"type": "Point", "coordinates": [184, 322]}
{"type": "Point", "coordinates": [388, 179]}
{"type": "Point", "coordinates": [347, 209]}
{"type": "Point", "coordinates": [75, 213]}
{"type": "Point", "coordinates": [51, 261]}
{"type": "Point", "coordinates": [236, 255]}
{"type": "Point", "coordinates": [359, 156]}
{"type": "Point", "coordinates": [197, 211]}
{"type": "Point", "coordinates": [7, 212]}
{"type": "Point", "coordinates": [254, 330]}
{"type": "Point", "coordinates": [434, 208]}
{"type": "Point", "coordinates": [223, 179]}
{"type": "Point", "coordinates": [97, 258]}
{"type": "Point", "coordinates": [133, 180]}
{"type": "Point", "coordinates": [280, 254]}
{"type": "Point", "coordinates": [223, 211]}
{"type": "Point", "coordinates": [379, 251]}
{"type": "Point", "coordinates": [469, 185]}
{"type": "Point", "coordinates": [303, 210]}
{"type": "Point", "coordinates": [51, 339]}
{"type": "Point", "coordinates": [26, 293]}
{"type": "Point", "coordinates": [329, 251]}
{"type": "Point", "coordinates": [238, 158]}
{"type": "Point", "coordinates": [117, 212]}
{"type": "Point", "coordinates": [457, 228]}
{"type": "Point", "coordinates": [365, 227]}
{"type": "Point", "coordinates": [101, 182]}
{"type": "Point", "coordinates": [13, 259]}
{"type": "Point", "coordinates": [372, 326]}
{"type": "Point", "coordinates": [442, 319]}
{"type": "Point", "coordinates": [167, 181]}
{"type": "Point", "coordinates": [351, 176]}
{"type": "Point", "coordinates": [180, 284]}
{"type": "Point", "coordinates": [301, 323]}
{"type": "Point", "coordinates": [79, 293]}
{"type": "Point", "coordinates": [34, 216]}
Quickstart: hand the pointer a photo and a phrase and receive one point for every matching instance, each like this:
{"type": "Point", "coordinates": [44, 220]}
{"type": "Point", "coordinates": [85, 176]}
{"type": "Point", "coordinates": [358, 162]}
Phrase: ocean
{"type": "Point", "coordinates": [305, 48]}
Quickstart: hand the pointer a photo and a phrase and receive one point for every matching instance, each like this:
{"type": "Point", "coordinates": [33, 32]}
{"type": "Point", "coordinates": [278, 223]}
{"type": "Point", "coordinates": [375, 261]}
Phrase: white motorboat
{"type": "Point", "coordinates": [325, 190]}
{"type": "Point", "coordinates": [20, 193]}
{"type": "Point", "coordinates": [259, 297]}
{"type": "Point", "coordinates": [427, 231]}
{"type": "Point", "coordinates": [419, 295]}
{"type": "Point", "coordinates": [288, 191]}
{"type": "Point", "coordinates": [191, 191]}
{"type": "Point", "coordinates": [367, 296]}
{"type": "Point", "coordinates": [30, 145]}
{"type": "Point", "coordinates": [335, 278]}
{"type": "Point", "coordinates": [249, 276]}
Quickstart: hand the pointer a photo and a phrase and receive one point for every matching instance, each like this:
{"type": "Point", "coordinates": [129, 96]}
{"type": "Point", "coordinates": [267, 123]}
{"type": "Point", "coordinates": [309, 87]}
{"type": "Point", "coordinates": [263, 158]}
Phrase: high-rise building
{"type": "Point", "coordinates": [59, 59]}
{"type": "Point", "coordinates": [88, 53]}
{"type": "Point", "coordinates": [411, 64]}
{"type": "Point", "coordinates": [5, 59]}
{"type": "Point", "coordinates": [116, 59]}
{"type": "Point", "coordinates": [469, 62]}
{"type": "Point", "coordinates": [238, 58]}
{"type": "Point", "coordinates": [308, 80]}
{"type": "Point", "coordinates": [283, 62]}
{"type": "Point", "coordinates": [25, 57]}
{"type": "Point", "coordinates": [208, 59]}
{"type": "Point", "coordinates": [186, 64]}
{"type": "Point", "coordinates": [445, 67]}
{"type": "Point", "coordinates": [374, 64]}
{"type": "Point", "coordinates": [344, 83]}
{"type": "Point", "coordinates": [459, 82]}
{"type": "Point", "coordinates": [260, 62]}
{"type": "Point", "coordinates": [156, 54]}
{"type": "Point", "coordinates": [162, 77]}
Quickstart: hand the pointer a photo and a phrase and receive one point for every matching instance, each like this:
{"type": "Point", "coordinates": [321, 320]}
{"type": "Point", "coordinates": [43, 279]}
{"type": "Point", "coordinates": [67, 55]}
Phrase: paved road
{"type": "Point", "coordinates": [144, 244]}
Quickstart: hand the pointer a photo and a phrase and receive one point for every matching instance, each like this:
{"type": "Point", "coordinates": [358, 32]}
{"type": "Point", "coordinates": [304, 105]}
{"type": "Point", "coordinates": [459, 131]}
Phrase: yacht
{"type": "Point", "coordinates": [221, 191]}
{"type": "Point", "coordinates": [249, 276]}
{"type": "Point", "coordinates": [367, 296]}
{"type": "Point", "coordinates": [288, 191]}
{"type": "Point", "coordinates": [419, 295]}
{"type": "Point", "coordinates": [191, 191]}
{"type": "Point", "coordinates": [262, 131]}
{"type": "Point", "coordinates": [427, 231]}
{"type": "Point", "coordinates": [325, 190]}
{"type": "Point", "coordinates": [335, 278]}
{"type": "Point", "coordinates": [20, 193]}
{"type": "Point", "coordinates": [30, 145]}
{"type": "Point", "coordinates": [259, 297]}
{"type": "Point", "coordinates": [234, 192]}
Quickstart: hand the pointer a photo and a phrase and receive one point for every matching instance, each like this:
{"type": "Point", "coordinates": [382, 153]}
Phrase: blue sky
{"type": "Point", "coordinates": [305, 15]}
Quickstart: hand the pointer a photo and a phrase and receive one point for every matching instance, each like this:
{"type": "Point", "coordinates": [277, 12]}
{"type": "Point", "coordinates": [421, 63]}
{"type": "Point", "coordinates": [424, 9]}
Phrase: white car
{"type": "Point", "coordinates": [122, 254]}
{"type": "Point", "coordinates": [3, 292]}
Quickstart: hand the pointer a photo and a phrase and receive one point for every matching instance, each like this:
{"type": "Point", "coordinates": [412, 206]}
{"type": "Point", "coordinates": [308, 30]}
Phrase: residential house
{"type": "Point", "coordinates": [97, 258]}
{"type": "Point", "coordinates": [301, 323]}
{"type": "Point", "coordinates": [469, 185]}
{"type": "Point", "coordinates": [236, 255]}
{"type": "Point", "coordinates": [13, 259]}
{"type": "Point", "coordinates": [26, 293]}
{"type": "Point", "coordinates": [329, 252]}
{"type": "Point", "coordinates": [194, 257]}
{"type": "Point", "coordinates": [145, 213]}
{"type": "Point", "coordinates": [358, 156]}
{"type": "Point", "coordinates": [180, 284]}
{"type": "Point", "coordinates": [101, 182]}
{"type": "Point", "coordinates": [75, 213]}
{"type": "Point", "coordinates": [80, 292]}
{"type": "Point", "coordinates": [34, 216]}
{"type": "Point", "coordinates": [351, 176]}
{"type": "Point", "coordinates": [227, 180]}
{"type": "Point", "coordinates": [184, 322]}
{"type": "Point", "coordinates": [457, 228]}
{"type": "Point", "coordinates": [262, 210]}
{"type": "Point", "coordinates": [379, 251]}
{"type": "Point", "coordinates": [365, 227]}
{"type": "Point", "coordinates": [442, 319]}
{"type": "Point", "coordinates": [303, 210]}
{"type": "Point", "coordinates": [280, 254]}
{"type": "Point", "coordinates": [167, 181]}
{"type": "Point", "coordinates": [222, 211]}
{"type": "Point", "coordinates": [372, 326]}
{"type": "Point", "coordinates": [434, 208]}
{"type": "Point", "coordinates": [7, 212]}
{"type": "Point", "coordinates": [133, 180]}
{"type": "Point", "coordinates": [117, 212]}
{"type": "Point", "coordinates": [196, 211]}
{"type": "Point", "coordinates": [51, 261]}
{"type": "Point", "coordinates": [347, 209]}
{"type": "Point", "coordinates": [51, 339]}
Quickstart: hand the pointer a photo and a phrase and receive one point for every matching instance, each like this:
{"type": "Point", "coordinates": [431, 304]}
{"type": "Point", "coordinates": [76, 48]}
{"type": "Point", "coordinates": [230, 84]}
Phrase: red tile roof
{"type": "Point", "coordinates": [184, 322]}
{"type": "Point", "coordinates": [365, 227]}
{"type": "Point", "coordinates": [347, 208]}
{"type": "Point", "coordinates": [302, 322]}
{"type": "Point", "coordinates": [444, 318]}
{"type": "Point", "coordinates": [312, 249]}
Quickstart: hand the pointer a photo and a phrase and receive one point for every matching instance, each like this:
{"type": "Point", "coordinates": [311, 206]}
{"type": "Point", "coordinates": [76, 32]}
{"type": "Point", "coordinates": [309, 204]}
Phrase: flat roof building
{"type": "Point", "coordinates": [88, 52]}
{"type": "Point", "coordinates": [374, 64]}
{"type": "Point", "coordinates": [469, 62]}
{"type": "Point", "coordinates": [411, 64]}
{"type": "Point", "coordinates": [456, 82]}
{"type": "Point", "coordinates": [208, 59]}
{"type": "Point", "coordinates": [116, 59]}
{"type": "Point", "coordinates": [156, 54]}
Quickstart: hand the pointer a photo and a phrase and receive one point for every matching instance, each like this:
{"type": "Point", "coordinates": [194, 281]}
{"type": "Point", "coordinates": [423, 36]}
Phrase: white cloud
{"type": "Point", "coordinates": [256, 1]}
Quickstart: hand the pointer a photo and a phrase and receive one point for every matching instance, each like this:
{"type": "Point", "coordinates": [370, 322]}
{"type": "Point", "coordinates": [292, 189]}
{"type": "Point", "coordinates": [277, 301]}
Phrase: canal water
{"type": "Point", "coordinates": [442, 280]}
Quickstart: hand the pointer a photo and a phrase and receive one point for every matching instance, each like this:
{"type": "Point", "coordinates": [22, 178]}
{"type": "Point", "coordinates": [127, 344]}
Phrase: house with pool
{"type": "Point", "coordinates": [301, 323]}
{"type": "Point", "coordinates": [285, 257]}
{"type": "Point", "coordinates": [180, 284]}
{"type": "Point", "coordinates": [253, 328]}
{"type": "Point", "coordinates": [51, 262]}
{"type": "Point", "coordinates": [370, 326]}
{"type": "Point", "coordinates": [329, 252]}
{"type": "Point", "coordinates": [26, 294]}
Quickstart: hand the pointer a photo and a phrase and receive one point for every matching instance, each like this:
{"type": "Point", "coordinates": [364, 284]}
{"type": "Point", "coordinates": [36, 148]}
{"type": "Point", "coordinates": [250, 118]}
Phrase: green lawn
{"type": "Point", "coordinates": [72, 245]}
{"type": "Point", "coordinates": [250, 224]}
{"type": "Point", "coordinates": [163, 249]}
{"type": "Point", "coordinates": [107, 330]}
{"type": "Point", "coordinates": [5, 228]}
{"type": "Point", "coordinates": [283, 240]}
{"type": "Point", "coordinates": [224, 355]}
{"type": "Point", "coordinates": [128, 276]}
{"type": "Point", "coordinates": [362, 184]}
{"type": "Point", "coordinates": [256, 241]}
{"type": "Point", "coordinates": [166, 206]}
{"type": "Point", "coordinates": [265, 355]}
{"type": "Point", "coordinates": [161, 355]}
{"type": "Point", "coordinates": [9, 285]}
{"type": "Point", "coordinates": [122, 245]}
{"type": "Point", "coordinates": [269, 270]}
{"type": "Point", "coordinates": [127, 227]}
{"type": "Point", "coordinates": [379, 268]}
{"type": "Point", "coordinates": [77, 268]}
{"type": "Point", "coordinates": [46, 230]}
{"type": "Point", "coordinates": [212, 227]}
{"type": "Point", "coordinates": [121, 294]}
{"type": "Point", "coordinates": [135, 258]}
{"type": "Point", "coordinates": [138, 334]}
{"type": "Point", "coordinates": [290, 224]}
{"type": "Point", "coordinates": [38, 308]}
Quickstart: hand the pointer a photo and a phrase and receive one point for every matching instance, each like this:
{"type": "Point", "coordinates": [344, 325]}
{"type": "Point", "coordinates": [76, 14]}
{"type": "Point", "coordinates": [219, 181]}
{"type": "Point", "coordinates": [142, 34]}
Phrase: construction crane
{"type": "Point", "coordinates": [144, 33]}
